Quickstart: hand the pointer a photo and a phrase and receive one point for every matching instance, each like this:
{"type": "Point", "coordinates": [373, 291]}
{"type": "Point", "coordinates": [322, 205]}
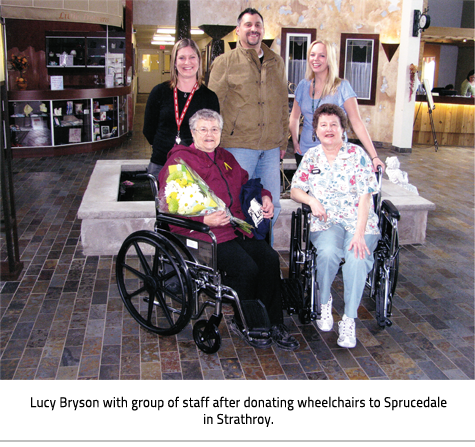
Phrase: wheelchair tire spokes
{"type": "Point", "coordinates": [154, 283]}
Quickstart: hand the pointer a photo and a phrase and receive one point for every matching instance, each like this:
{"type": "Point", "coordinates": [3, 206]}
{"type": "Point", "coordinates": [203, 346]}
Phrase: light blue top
{"type": "Point", "coordinates": [304, 100]}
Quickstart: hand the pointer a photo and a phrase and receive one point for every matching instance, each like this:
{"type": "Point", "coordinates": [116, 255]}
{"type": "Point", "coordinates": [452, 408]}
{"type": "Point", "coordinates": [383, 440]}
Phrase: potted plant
{"type": "Point", "coordinates": [20, 64]}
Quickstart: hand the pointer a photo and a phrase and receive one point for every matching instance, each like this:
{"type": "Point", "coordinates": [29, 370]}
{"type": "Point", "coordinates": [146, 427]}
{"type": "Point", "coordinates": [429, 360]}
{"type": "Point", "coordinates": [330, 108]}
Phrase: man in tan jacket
{"type": "Point", "coordinates": [251, 86]}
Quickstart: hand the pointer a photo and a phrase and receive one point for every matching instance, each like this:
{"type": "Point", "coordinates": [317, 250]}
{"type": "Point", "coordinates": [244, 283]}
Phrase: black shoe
{"type": "Point", "coordinates": [260, 343]}
{"type": "Point", "coordinates": [281, 337]}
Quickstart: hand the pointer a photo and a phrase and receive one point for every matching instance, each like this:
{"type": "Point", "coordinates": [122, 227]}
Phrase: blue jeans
{"type": "Point", "coordinates": [332, 246]}
{"type": "Point", "coordinates": [264, 165]}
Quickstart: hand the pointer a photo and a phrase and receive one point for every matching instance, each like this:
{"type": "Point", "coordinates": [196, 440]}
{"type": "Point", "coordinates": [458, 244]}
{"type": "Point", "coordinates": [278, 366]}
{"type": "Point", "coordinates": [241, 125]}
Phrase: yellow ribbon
{"type": "Point", "coordinates": [227, 166]}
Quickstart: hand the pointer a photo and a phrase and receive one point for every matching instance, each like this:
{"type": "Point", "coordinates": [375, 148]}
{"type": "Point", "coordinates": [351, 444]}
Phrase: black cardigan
{"type": "Point", "coordinates": [160, 127]}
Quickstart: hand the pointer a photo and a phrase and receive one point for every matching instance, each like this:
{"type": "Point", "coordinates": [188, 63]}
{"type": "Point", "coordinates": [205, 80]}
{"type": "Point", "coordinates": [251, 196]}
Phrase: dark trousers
{"type": "Point", "coordinates": [253, 270]}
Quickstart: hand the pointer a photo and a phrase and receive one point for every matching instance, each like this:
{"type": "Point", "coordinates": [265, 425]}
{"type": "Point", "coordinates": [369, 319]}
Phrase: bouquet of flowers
{"type": "Point", "coordinates": [19, 63]}
{"type": "Point", "coordinates": [186, 194]}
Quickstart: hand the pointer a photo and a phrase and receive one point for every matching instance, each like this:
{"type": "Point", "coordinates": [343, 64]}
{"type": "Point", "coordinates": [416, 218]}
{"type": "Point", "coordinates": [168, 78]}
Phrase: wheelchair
{"type": "Point", "coordinates": [161, 276]}
{"type": "Point", "coordinates": [300, 291]}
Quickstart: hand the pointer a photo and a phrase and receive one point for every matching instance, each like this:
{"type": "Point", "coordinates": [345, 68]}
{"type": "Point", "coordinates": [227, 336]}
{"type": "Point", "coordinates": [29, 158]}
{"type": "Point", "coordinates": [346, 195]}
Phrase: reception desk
{"type": "Point", "coordinates": [453, 121]}
{"type": "Point", "coordinates": [60, 122]}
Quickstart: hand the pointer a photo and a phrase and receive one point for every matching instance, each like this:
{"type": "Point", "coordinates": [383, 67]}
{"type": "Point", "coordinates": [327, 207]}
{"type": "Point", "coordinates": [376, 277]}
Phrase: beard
{"type": "Point", "coordinates": [253, 39]}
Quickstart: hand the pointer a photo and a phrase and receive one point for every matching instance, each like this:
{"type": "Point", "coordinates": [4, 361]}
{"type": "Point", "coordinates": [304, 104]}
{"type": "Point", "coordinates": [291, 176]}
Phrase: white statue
{"type": "Point", "coordinates": [397, 176]}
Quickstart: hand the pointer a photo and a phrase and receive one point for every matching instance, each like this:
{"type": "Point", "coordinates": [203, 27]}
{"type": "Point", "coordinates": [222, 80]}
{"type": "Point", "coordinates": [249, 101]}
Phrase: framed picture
{"type": "Point", "coordinates": [105, 131]}
{"type": "Point", "coordinates": [75, 135]}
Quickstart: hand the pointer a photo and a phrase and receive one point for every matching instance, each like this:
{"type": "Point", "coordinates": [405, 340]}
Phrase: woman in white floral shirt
{"type": "Point", "coordinates": [336, 180]}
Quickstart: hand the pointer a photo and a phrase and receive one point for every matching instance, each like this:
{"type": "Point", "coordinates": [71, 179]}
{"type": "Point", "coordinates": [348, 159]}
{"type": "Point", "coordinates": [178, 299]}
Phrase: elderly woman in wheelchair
{"type": "Point", "coordinates": [251, 266]}
{"type": "Point", "coordinates": [336, 180]}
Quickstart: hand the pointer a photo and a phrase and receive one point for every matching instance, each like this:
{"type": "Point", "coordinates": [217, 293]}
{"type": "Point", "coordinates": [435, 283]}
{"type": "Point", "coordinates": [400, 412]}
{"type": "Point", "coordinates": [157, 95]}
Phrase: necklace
{"type": "Point", "coordinates": [314, 136]}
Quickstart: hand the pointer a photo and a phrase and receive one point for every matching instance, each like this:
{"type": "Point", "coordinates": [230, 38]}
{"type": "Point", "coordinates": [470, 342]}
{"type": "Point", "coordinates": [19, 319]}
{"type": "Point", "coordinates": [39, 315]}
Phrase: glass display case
{"type": "Point", "coordinates": [30, 123]}
{"type": "Point", "coordinates": [105, 118]}
{"type": "Point", "coordinates": [71, 121]}
{"type": "Point", "coordinates": [96, 51]}
{"type": "Point", "coordinates": [64, 51]}
{"type": "Point", "coordinates": [84, 51]}
{"type": "Point", "coordinates": [67, 121]}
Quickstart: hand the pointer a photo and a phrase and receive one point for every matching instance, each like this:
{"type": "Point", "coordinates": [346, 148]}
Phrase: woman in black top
{"type": "Point", "coordinates": [171, 104]}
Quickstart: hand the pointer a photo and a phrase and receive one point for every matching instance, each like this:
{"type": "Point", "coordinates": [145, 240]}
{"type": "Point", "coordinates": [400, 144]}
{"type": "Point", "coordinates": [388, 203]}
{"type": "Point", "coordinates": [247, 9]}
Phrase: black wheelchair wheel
{"type": "Point", "coordinates": [295, 244]}
{"type": "Point", "coordinates": [310, 296]}
{"type": "Point", "coordinates": [208, 339]}
{"type": "Point", "coordinates": [379, 295]}
{"type": "Point", "coordinates": [380, 318]}
{"type": "Point", "coordinates": [154, 283]}
{"type": "Point", "coordinates": [394, 270]}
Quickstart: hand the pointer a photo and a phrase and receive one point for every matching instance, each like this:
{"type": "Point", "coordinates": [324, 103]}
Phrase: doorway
{"type": "Point", "coordinates": [154, 68]}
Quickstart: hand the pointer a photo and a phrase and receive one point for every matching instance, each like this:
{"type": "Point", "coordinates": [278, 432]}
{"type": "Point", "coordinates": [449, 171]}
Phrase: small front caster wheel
{"type": "Point", "coordinates": [208, 339]}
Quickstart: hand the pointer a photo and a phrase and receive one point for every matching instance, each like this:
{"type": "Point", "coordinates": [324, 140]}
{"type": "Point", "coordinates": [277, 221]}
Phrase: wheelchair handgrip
{"type": "Point", "coordinates": [388, 206]}
{"type": "Point", "coordinates": [306, 208]}
{"type": "Point", "coordinates": [188, 224]}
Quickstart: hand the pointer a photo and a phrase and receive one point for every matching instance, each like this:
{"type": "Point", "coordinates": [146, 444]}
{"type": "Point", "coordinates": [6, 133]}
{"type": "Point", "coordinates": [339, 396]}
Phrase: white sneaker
{"type": "Point", "coordinates": [346, 327]}
{"type": "Point", "coordinates": [325, 323]}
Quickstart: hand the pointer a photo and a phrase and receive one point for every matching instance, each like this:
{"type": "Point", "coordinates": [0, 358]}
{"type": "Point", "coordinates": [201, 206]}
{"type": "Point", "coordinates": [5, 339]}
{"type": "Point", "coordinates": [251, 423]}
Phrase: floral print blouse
{"type": "Point", "coordinates": [338, 186]}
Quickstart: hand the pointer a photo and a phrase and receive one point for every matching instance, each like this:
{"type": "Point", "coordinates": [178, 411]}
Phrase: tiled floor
{"type": "Point", "coordinates": [63, 318]}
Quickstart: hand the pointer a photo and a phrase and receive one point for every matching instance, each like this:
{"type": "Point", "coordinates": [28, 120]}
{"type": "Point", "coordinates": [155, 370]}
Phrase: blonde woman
{"type": "Point", "coordinates": [171, 104]}
{"type": "Point", "coordinates": [323, 86]}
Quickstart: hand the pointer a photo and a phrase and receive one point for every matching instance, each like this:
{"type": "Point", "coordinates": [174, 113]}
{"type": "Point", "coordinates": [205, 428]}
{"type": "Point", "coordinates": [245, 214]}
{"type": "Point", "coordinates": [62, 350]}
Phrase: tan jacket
{"type": "Point", "coordinates": [253, 99]}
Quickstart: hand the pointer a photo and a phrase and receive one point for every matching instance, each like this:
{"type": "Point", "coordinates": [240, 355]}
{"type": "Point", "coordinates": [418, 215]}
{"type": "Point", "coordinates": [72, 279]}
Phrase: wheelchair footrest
{"type": "Point", "coordinates": [257, 320]}
{"type": "Point", "coordinates": [292, 295]}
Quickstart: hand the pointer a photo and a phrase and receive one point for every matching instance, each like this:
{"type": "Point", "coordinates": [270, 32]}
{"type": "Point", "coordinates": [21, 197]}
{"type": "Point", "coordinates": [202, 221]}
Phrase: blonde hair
{"type": "Point", "coordinates": [332, 81]}
{"type": "Point", "coordinates": [183, 43]}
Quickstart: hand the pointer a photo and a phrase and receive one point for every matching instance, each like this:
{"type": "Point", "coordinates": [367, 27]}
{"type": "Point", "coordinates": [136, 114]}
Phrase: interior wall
{"type": "Point", "coordinates": [464, 65]}
{"type": "Point", "coordinates": [446, 13]}
{"type": "Point", "coordinates": [448, 54]}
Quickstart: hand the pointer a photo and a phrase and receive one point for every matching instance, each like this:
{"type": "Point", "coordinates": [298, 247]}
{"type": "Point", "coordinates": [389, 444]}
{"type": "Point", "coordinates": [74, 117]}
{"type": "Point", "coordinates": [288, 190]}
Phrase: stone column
{"type": "Point", "coordinates": [183, 20]}
{"type": "Point", "coordinates": [408, 54]}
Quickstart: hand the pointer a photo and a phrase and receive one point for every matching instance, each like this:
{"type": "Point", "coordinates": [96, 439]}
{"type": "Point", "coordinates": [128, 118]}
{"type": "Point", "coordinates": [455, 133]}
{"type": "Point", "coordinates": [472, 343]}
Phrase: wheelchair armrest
{"type": "Point", "coordinates": [388, 206]}
{"type": "Point", "coordinates": [188, 224]}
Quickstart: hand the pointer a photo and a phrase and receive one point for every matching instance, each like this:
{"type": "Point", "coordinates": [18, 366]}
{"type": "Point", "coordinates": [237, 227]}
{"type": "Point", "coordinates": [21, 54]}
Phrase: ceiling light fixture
{"type": "Point", "coordinates": [157, 42]}
{"type": "Point", "coordinates": [164, 37]}
{"type": "Point", "coordinates": [165, 31]}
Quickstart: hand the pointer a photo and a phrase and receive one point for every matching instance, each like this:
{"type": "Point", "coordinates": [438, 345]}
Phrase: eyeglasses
{"type": "Point", "coordinates": [205, 130]}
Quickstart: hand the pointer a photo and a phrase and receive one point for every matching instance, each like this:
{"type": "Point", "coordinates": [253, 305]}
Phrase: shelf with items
{"type": "Point", "coordinates": [105, 118]}
{"type": "Point", "coordinates": [30, 123]}
{"type": "Point", "coordinates": [66, 121]}
{"type": "Point", "coordinates": [64, 51]}
{"type": "Point", "coordinates": [96, 51]}
{"type": "Point", "coordinates": [71, 122]}
{"type": "Point", "coordinates": [115, 67]}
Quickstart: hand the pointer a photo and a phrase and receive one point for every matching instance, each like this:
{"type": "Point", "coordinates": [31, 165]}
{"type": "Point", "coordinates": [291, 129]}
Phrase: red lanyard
{"type": "Point", "coordinates": [178, 118]}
